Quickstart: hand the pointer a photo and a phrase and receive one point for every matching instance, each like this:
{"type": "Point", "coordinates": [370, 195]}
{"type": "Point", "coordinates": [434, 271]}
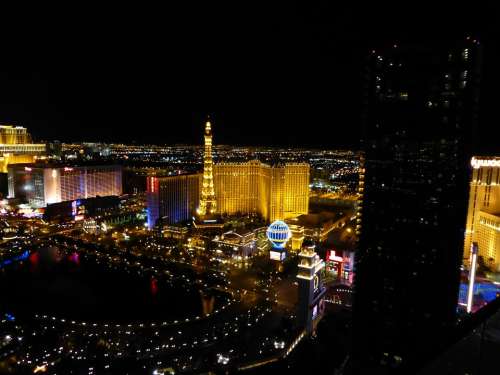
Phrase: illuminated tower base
{"type": "Point", "coordinates": [311, 289]}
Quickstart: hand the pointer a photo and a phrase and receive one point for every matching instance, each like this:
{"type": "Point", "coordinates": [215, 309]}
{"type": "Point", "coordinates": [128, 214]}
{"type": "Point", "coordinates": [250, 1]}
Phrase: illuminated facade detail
{"type": "Point", "coordinates": [311, 305]}
{"type": "Point", "coordinates": [340, 265]}
{"type": "Point", "coordinates": [175, 231]}
{"type": "Point", "coordinates": [483, 215]}
{"type": "Point", "coordinates": [472, 277]}
{"type": "Point", "coordinates": [207, 201]}
{"type": "Point", "coordinates": [45, 184]}
{"type": "Point", "coordinates": [17, 147]}
{"type": "Point", "coordinates": [275, 193]}
{"type": "Point", "coordinates": [295, 189]}
{"type": "Point", "coordinates": [242, 188]}
{"type": "Point", "coordinates": [297, 237]}
{"type": "Point", "coordinates": [172, 198]}
{"type": "Point", "coordinates": [361, 190]}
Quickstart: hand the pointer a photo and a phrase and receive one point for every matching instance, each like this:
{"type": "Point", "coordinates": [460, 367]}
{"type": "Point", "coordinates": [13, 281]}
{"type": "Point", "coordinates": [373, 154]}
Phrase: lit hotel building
{"type": "Point", "coordinates": [172, 198]}
{"type": "Point", "coordinates": [16, 146]}
{"type": "Point", "coordinates": [242, 188]}
{"type": "Point", "coordinates": [45, 184]}
{"type": "Point", "coordinates": [275, 193]}
{"type": "Point", "coordinates": [483, 215]}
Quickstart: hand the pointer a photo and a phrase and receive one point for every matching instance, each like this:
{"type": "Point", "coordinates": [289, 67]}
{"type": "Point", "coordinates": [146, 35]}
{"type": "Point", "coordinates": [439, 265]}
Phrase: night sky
{"type": "Point", "coordinates": [282, 74]}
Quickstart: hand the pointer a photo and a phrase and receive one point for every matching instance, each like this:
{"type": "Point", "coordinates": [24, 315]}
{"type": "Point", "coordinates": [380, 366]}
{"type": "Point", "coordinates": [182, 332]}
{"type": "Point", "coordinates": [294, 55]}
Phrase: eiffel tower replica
{"type": "Point", "coordinates": [207, 217]}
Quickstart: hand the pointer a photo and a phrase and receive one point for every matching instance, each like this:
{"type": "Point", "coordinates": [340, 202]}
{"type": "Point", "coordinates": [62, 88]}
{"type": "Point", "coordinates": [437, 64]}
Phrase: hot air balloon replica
{"type": "Point", "coordinates": [278, 234]}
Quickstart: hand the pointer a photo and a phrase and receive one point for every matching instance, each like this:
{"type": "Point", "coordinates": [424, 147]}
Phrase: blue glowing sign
{"type": "Point", "coordinates": [10, 317]}
{"type": "Point", "coordinates": [23, 256]}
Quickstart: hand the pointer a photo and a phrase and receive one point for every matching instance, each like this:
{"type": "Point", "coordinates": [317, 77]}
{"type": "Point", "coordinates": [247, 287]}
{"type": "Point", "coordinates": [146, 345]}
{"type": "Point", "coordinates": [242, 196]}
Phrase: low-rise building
{"type": "Point", "coordinates": [239, 244]}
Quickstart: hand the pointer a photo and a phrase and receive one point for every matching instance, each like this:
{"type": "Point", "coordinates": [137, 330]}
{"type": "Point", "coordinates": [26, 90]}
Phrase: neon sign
{"type": "Point", "coordinates": [332, 256]}
{"type": "Point", "coordinates": [478, 163]}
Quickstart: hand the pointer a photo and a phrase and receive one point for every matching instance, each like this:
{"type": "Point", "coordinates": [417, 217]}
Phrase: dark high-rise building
{"type": "Point", "coordinates": [172, 198]}
{"type": "Point", "coordinates": [419, 114]}
{"type": "Point", "coordinates": [134, 180]}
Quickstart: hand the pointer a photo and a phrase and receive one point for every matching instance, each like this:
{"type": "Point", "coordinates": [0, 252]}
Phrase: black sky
{"type": "Point", "coordinates": [285, 74]}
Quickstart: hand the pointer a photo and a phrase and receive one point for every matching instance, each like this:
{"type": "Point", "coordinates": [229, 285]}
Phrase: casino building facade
{"type": "Point", "coordinates": [42, 184]}
{"type": "Point", "coordinates": [174, 199]}
{"type": "Point", "coordinates": [275, 193]}
{"type": "Point", "coordinates": [16, 146]}
{"type": "Point", "coordinates": [483, 215]}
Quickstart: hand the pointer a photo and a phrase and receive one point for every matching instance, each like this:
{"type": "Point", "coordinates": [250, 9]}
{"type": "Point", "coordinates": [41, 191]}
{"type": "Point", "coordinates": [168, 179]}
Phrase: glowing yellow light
{"type": "Point", "coordinates": [42, 368]}
{"type": "Point", "coordinates": [472, 276]}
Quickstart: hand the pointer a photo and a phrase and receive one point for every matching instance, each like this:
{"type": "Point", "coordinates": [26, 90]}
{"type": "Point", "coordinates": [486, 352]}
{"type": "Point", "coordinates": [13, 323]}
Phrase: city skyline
{"type": "Point", "coordinates": [250, 188]}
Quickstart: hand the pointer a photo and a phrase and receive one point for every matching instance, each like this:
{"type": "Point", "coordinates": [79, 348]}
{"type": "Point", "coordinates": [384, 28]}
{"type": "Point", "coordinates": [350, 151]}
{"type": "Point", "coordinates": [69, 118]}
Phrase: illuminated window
{"type": "Point", "coordinates": [465, 54]}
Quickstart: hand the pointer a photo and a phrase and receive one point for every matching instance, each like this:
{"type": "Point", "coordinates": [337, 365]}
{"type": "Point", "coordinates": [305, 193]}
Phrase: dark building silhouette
{"type": "Point", "coordinates": [134, 181]}
{"type": "Point", "coordinates": [80, 209]}
{"type": "Point", "coordinates": [420, 111]}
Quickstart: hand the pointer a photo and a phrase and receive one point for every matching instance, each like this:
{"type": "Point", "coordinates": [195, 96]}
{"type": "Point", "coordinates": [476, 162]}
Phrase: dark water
{"type": "Point", "coordinates": [71, 287]}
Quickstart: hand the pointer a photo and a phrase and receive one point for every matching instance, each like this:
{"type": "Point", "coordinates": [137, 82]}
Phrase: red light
{"type": "Point", "coordinates": [154, 286]}
{"type": "Point", "coordinates": [152, 184]}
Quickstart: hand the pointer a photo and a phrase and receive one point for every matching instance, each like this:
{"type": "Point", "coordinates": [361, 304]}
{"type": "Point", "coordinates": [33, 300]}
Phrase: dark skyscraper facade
{"type": "Point", "coordinates": [419, 113]}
